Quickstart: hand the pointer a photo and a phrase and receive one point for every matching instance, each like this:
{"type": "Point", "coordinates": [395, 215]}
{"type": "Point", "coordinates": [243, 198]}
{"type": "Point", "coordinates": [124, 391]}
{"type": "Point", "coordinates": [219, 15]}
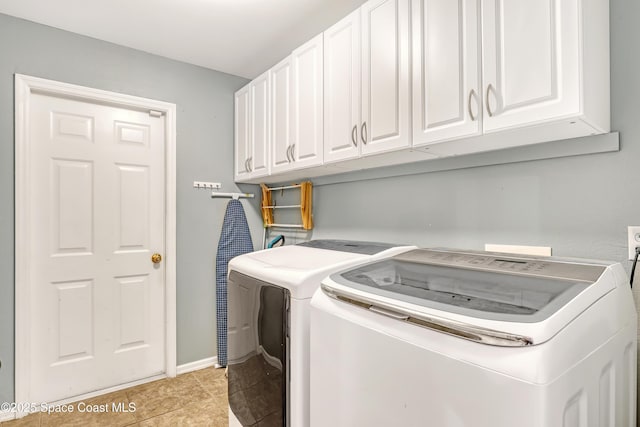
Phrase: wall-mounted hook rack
{"type": "Point", "coordinates": [207, 185]}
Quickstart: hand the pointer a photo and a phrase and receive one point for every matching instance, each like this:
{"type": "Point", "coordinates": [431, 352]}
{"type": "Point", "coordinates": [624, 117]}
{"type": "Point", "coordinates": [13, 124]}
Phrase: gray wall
{"type": "Point", "coordinates": [204, 101]}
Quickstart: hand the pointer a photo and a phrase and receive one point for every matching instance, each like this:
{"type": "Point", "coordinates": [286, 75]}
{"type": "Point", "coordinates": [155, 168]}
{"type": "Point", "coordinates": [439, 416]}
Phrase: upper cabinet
{"type": "Point", "coordinates": [252, 129]}
{"type": "Point", "coordinates": [540, 68]}
{"type": "Point", "coordinates": [404, 80]}
{"type": "Point", "coordinates": [366, 77]}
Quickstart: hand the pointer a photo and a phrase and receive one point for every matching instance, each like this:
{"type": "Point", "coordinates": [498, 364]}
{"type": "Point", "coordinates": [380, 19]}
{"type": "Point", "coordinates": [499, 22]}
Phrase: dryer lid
{"type": "Point", "coordinates": [478, 285]}
{"type": "Point", "coordinates": [300, 268]}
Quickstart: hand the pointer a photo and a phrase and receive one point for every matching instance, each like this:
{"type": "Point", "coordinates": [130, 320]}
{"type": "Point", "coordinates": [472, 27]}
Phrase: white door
{"type": "Point", "coordinates": [447, 101]}
{"type": "Point", "coordinates": [342, 89]}
{"type": "Point", "coordinates": [281, 116]}
{"type": "Point", "coordinates": [258, 157]}
{"type": "Point", "coordinates": [385, 76]}
{"type": "Point", "coordinates": [242, 118]}
{"type": "Point", "coordinates": [96, 203]}
{"type": "Point", "coordinates": [306, 144]}
{"type": "Point", "coordinates": [530, 61]}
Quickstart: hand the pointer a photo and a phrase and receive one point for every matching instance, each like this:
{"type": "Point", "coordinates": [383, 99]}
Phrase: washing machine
{"type": "Point", "coordinates": [452, 338]}
{"type": "Point", "coordinates": [269, 293]}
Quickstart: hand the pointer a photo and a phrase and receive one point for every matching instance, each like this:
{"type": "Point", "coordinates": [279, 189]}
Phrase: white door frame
{"type": "Point", "coordinates": [25, 86]}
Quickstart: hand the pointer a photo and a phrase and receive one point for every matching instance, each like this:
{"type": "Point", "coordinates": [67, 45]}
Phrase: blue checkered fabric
{"type": "Point", "coordinates": [235, 240]}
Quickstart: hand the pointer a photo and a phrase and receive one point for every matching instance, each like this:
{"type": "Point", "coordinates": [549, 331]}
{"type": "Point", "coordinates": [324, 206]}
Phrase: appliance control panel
{"type": "Point", "coordinates": [505, 263]}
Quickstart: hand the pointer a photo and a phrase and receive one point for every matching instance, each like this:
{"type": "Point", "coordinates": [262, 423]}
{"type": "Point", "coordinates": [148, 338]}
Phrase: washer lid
{"type": "Point", "coordinates": [475, 289]}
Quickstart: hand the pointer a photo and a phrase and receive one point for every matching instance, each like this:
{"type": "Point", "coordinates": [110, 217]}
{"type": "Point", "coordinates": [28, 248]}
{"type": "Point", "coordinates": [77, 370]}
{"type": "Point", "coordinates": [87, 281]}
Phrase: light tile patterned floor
{"type": "Point", "coordinates": [196, 398]}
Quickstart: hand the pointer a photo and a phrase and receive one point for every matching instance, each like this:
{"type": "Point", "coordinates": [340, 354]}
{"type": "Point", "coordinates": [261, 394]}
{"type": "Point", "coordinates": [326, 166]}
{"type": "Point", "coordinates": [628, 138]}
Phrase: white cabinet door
{"type": "Point", "coordinates": [342, 89]}
{"type": "Point", "coordinates": [385, 76]}
{"type": "Point", "coordinates": [447, 101]}
{"type": "Point", "coordinates": [259, 144]}
{"type": "Point", "coordinates": [281, 116]}
{"type": "Point", "coordinates": [242, 117]}
{"type": "Point", "coordinates": [531, 54]}
{"type": "Point", "coordinates": [306, 144]}
{"type": "Point", "coordinates": [252, 125]}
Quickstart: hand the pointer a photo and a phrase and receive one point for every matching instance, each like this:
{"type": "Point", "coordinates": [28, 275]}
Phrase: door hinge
{"type": "Point", "coordinates": [154, 113]}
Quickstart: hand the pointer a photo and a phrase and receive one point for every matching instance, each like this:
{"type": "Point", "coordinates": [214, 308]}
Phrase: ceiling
{"type": "Point", "coordinates": [241, 37]}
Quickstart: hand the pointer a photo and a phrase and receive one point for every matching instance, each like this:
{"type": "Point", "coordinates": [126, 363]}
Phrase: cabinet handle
{"type": "Point", "coordinates": [293, 150]}
{"type": "Point", "coordinates": [288, 157]}
{"type": "Point", "coordinates": [250, 160]}
{"type": "Point", "coordinates": [354, 135]}
{"type": "Point", "coordinates": [471, 94]}
{"type": "Point", "coordinates": [486, 100]}
{"type": "Point", "coordinates": [363, 133]}
{"type": "Point", "coordinates": [246, 165]}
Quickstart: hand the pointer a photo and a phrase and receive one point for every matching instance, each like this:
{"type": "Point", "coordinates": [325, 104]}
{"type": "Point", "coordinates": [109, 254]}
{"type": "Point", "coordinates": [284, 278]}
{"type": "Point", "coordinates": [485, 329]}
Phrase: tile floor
{"type": "Point", "coordinates": [197, 398]}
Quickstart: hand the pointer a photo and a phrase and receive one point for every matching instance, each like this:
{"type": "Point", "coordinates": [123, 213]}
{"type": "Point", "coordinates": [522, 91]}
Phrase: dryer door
{"type": "Point", "coordinates": [258, 350]}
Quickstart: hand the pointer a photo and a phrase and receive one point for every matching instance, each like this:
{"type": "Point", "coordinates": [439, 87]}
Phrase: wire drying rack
{"type": "Point", "coordinates": [288, 205]}
{"type": "Point", "coordinates": [274, 206]}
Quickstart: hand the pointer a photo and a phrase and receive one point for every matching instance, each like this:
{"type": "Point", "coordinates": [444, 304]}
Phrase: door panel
{"type": "Point", "coordinates": [132, 317]}
{"type": "Point", "coordinates": [383, 63]}
{"type": "Point", "coordinates": [530, 78]}
{"type": "Point", "coordinates": [74, 321]}
{"type": "Point", "coordinates": [132, 227]}
{"type": "Point", "coordinates": [72, 207]}
{"type": "Point", "coordinates": [531, 57]}
{"type": "Point", "coordinates": [307, 141]}
{"type": "Point", "coordinates": [385, 75]}
{"type": "Point", "coordinates": [281, 116]}
{"type": "Point", "coordinates": [446, 73]}
{"type": "Point", "coordinates": [342, 89]}
{"type": "Point", "coordinates": [97, 201]}
{"type": "Point", "coordinates": [131, 133]}
{"type": "Point", "coordinates": [258, 163]}
{"type": "Point", "coordinates": [71, 127]}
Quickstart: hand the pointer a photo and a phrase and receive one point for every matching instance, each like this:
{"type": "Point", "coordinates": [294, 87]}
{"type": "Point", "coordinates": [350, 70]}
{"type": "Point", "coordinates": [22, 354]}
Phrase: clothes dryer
{"type": "Point", "coordinates": [269, 293]}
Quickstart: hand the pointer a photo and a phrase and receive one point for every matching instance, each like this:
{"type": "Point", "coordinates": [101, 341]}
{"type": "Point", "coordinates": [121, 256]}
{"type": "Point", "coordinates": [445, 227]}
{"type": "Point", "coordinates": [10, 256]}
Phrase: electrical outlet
{"type": "Point", "coordinates": [633, 236]}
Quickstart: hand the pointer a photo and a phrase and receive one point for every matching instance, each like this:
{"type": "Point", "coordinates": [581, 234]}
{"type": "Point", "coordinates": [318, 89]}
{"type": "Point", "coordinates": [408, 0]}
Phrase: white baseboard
{"type": "Point", "coordinates": [198, 364]}
{"type": "Point", "coordinates": [7, 416]}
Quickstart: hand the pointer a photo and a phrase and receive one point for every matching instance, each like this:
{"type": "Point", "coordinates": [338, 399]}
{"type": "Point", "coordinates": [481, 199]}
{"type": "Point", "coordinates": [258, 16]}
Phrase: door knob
{"type": "Point", "coordinates": [156, 258]}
